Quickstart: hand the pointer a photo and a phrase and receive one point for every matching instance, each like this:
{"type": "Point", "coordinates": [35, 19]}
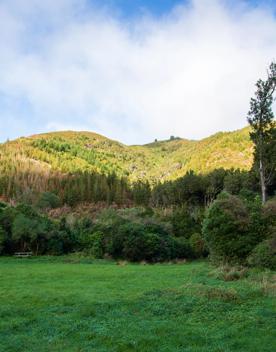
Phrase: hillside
{"type": "Point", "coordinates": [72, 152]}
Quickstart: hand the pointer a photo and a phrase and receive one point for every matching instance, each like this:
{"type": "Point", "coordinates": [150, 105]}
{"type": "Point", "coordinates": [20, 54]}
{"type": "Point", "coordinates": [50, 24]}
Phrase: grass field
{"type": "Point", "coordinates": [49, 305]}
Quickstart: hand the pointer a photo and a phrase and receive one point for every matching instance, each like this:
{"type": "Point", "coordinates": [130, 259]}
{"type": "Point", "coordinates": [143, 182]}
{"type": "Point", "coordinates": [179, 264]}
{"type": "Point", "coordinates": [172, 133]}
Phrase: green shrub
{"type": "Point", "coordinates": [2, 206]}
{"type": "Point", "coordinates": [227, 230]}
{"type": "Point", "coordinates": [264, 254]}
{"type": "Point", "coordinates": [182, 248]}
{"type": "Point", "coordinates": [48, 200]}
{"type": "Point", "coordinates": [140, 244]}
{"type": "Point", "coordinates": [157, 247]}
{"type": "Point", "coordinates": [183, 223]}
{"type": "Point", "coordinates": [131, 238]}
{"type": "Point", "coordinates": [96, 245]}
{"type": "Point", "coordinates": [55, 243]}
{"type": "Point", "coordinates": [198, 246]}
{"type": "Point", "coordinates": [2, 240]}
{"type": "Point", "coordinates": [269, 217]}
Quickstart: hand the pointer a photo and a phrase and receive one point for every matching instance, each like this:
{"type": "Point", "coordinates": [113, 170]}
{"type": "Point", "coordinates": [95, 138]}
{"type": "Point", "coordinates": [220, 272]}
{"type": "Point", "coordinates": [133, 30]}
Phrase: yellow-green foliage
{"type": "Point", "coordinates": [71, 152]}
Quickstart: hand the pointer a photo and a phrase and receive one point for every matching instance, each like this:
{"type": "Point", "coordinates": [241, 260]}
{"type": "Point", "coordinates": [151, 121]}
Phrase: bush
{"type": "Point", "coordinates": [269, 211]}
{"type": "Point", "coordinates": [183, 223]}
{"type": "Point", "coordinates": [269, 217]}
{"type": "Point", "coordinates": [227, 230]}
{"type": "Point", "coordinates": [96, 245]}
{"type": "Point", "coordinates": [48, 200]}
{"type": "Point", "coordinates": [264, 254]}
{"type": "Point", "coordinates": [140, 244]}
{"type": "Point", "coordinates": [127, 235]}
{"type": "Point", "coordinates": [157, 247]}
{"type": "Point", "coordinates": [197, 244]}
{"type": "Point", "coordinates": [55, 243]}
{"type": "Point", "coordinates": [182, 248]}
{"type": "Point", "coordinates": [2, 206]}
{"type": "Point", "coordinates": [2, 240]}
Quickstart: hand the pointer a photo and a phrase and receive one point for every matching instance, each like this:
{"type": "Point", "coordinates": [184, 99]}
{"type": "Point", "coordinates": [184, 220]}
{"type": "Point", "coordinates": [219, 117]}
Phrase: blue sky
{"type": "Point", "coordinates": [133, 70]}
{"type": "Point", "coordinates": [130, 8]}
{"type": "Point", "coordinates": [133, 8]}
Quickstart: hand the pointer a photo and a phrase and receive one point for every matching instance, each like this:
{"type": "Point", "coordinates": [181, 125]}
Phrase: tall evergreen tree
{"type": "Point", "coordinates": [261, 120]}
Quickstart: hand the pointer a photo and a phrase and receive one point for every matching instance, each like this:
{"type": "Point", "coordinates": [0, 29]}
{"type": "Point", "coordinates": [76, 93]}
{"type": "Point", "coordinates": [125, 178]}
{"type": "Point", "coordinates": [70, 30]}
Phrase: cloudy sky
{"type": "Point", "coordinates": [133, 70]}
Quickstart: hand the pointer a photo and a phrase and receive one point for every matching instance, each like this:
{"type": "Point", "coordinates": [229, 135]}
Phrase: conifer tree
{"type": "Point", "coordinates": [261, 120]}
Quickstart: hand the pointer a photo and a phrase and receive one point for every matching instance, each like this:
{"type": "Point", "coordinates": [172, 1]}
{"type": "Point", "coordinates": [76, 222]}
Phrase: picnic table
{"type": "Point", "coordinates": [23, 254]}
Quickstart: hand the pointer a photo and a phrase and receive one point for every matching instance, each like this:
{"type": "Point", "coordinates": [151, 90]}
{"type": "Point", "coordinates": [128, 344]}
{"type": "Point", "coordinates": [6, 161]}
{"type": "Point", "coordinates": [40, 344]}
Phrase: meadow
{"type": "Point", "coordinates": [59, 304]}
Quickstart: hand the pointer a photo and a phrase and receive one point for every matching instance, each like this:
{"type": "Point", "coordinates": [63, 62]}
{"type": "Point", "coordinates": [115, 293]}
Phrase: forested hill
{"type": "Point", "coordinates": [73, 152]}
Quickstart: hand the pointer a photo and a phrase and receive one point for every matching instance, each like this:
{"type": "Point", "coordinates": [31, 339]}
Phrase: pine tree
{"type": "Point", "coordinates": [261, 120]}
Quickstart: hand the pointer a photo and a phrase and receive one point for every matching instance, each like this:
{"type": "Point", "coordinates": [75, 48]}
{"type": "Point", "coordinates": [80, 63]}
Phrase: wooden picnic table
{"type": "Point", "coordinates": [23, 254]}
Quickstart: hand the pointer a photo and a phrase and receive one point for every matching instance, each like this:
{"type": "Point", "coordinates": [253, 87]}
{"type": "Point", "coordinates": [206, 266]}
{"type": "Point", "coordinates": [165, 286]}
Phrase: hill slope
{"type": "Point", "coordinates": [72, 152]}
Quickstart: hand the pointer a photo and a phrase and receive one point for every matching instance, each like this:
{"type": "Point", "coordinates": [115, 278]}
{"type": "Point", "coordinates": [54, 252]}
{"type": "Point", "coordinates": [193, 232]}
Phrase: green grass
{"type": "Point", "coordinates": [53, 305]}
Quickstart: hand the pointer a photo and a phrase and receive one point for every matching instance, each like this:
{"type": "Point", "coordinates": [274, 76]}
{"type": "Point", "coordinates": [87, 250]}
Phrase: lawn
{"type": "Point", "coordinates": [48, 304]}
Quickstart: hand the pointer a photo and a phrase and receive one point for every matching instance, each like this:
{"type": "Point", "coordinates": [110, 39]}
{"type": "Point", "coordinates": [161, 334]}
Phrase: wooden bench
{"type": "Point", "coordinates": [23, 254]}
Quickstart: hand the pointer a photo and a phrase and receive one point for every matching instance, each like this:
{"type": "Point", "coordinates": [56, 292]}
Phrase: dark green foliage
{"type": "Point", "coordinates": [24, 229]}
{"type": "Point", "coordinates": [200, 190]}
{"type": "Point", "coordinates": [48, 200]}
{"type": "Point", "coordinates": [109, 223]}
{"type": "Point", "coordinates": [2, 239]}
{"type": "Point", "coordinates": [214, 184]}
{"type": "Point", "coordinates": [7, 217]}
{"type": "Point", "coordinates": [135, 241]}
{"type": "Point", "coordinates": [235, 181]}
{"type": "Point", "coordinates": [132, 234]}
{"type": "Point", "coordinates": [141, 244]}
{"type": "Point", "coordinates": [263, 133]}
{"type": "Point", "coordinates": [269, 217]}
{"type": "Point", "coordinates": [184, 223]}
{"type": "Point", "coordinates": [232, 228]}
{"type": "Point", "coordinates": [134, 246]}
{"type": "Point", "coordinates": [96, 248]}
{"type": "Point", "coordinates": [228, 229]}
{"type": "Point", "coordinates": [2, 206]}
{"type": "Point", "coordinates": [141, 193]}
{"type": "Point", "coordinates": [190, 188]}
{"type": "Point", "coordinates": [92, 243]}
{"type": "Point", "coordinates": [198, 246]}
{"type": "Point", "coordinates": [264, 254]}
{"type": "Point", "coordinates": [182, 248]}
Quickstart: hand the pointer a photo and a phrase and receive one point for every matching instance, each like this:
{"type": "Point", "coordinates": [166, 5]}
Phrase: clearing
{"type": "Point", "coordinates": [53, 304]}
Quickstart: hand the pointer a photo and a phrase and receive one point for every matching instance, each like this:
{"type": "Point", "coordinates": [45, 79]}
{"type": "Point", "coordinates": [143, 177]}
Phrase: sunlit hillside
{"type": "Point", "coordinates": [71, 152]}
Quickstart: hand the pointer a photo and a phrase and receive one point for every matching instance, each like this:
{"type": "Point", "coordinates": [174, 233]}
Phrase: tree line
{"type": "Point", "coordinates": [227, 214]}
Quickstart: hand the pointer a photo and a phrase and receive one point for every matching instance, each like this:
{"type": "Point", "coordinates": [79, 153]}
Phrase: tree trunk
{"type": "Point", "coordinates": [262, 179]}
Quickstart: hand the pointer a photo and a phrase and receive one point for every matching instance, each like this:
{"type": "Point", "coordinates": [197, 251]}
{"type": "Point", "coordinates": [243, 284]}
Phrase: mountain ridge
{"type": "Point", "coordinates": [84, 151]}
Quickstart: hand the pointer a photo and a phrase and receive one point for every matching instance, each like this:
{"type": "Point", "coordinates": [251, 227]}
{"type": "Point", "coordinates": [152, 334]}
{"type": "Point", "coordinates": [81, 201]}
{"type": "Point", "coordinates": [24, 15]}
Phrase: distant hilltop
{"type": "Point", "coordinates": [73, 152]}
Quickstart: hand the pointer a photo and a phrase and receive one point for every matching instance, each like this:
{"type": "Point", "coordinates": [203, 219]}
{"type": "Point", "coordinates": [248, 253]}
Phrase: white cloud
{"type": "Point", "coordinates": [190, 73]}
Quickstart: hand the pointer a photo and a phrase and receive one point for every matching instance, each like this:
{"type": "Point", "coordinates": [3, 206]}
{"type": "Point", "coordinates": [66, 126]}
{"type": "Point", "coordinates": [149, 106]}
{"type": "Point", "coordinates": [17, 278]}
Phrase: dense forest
{"type": "Point", "coordinates": [80, 192]}
{"type": "Point", "coordinates": [217, 213]}
{"type": "Point", "coordinates": [86, 167]}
